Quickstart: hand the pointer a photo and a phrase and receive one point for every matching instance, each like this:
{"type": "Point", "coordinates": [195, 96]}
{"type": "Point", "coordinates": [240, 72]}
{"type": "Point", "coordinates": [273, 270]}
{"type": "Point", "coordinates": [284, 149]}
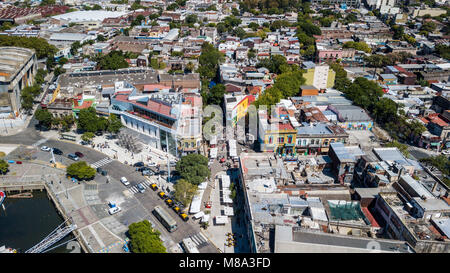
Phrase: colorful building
{"type": "Point", "coordinates": [276, 135]}
{"type": "Point", "coordinates": [236, 107]}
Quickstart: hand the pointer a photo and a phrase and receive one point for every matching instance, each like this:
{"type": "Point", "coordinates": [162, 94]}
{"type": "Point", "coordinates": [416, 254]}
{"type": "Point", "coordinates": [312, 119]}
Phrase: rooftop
{"type": "Point", "coordinates": [11, 61]}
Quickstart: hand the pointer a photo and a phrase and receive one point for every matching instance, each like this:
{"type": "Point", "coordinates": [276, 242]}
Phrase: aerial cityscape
{"type": "Point", "coordinates": [224, 126]}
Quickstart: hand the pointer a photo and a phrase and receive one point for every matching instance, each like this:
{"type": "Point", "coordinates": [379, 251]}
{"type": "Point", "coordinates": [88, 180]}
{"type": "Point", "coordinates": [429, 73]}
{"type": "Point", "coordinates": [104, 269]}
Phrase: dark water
{"type": "Point", "coordinates": [27, 221]}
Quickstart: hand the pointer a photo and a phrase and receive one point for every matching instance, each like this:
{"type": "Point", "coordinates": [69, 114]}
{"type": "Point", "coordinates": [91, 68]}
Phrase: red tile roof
{"type": "Point", "coordinates": [84, 105]}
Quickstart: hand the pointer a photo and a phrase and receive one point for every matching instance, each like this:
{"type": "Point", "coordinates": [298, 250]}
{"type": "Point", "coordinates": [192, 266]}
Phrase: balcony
{"type": "Point", "coordinates": [149, 120]}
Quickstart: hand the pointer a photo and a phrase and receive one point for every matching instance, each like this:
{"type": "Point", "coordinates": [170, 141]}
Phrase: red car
{"type": "Point", "coordinates": [80, 155]}
{"type": "Point", "coordinates": [222, 160]}
{"type": "Point", "coordinates": [18, 162]}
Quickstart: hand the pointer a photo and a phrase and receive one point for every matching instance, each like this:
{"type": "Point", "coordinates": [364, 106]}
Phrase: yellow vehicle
{"type": "Point", "coordinates": [184, 217]}
{"type": "Point", "coordinates": [176, 209]}
{"type": "Point", "coordinates": [154, 187]}
{"type": "Point", "coordinates": [162, 195]}
{"type": "Point", "coordinates": [169, 202]}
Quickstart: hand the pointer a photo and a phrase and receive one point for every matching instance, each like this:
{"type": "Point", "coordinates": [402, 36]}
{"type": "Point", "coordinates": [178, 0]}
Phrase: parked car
{"type": "Point", "coordinates": [124, 181]}
{"type": "Point", "coordinates": [99, 133]}
{"type": "Point", "coordinates": [169, 202]}
{"type": "Point", "coordinates": [176, 209]}
{"type": "Point", "coordinates": [79, 154]}
{"type": "Point", "coordinates": [46, 149]}
{"type": "Point", "coordinates": [18, 162]}
{"type": "Point", "coordinates": [104, 172]}
{"type": "Point", "coordinates": [154, 186]}
{"type": "Point", "coordinates": [152, 164]}
{"type": "Point", "coordinates": [184, 217]}
{"type": "Point", "coordinates": [162, 194]}
{"type": "Point", "coordinates": [73, 157]}
{"type": "Point", "coordinates": [147, 172]}
{"type": "Point", "coordinates": [172, 163]}
{"type": "Point", "coordinates": [140, 188]}
{"type": "Point", "coordinates": [139, 164]}
{"type": "Point", "coordinates": [142, 169]}
{"type": "Point", "coordinates": [84, 142]}
{"type": "Point", "coordinates": [114, 210]}
{"type": "Point", "coordinates": [57, 151]}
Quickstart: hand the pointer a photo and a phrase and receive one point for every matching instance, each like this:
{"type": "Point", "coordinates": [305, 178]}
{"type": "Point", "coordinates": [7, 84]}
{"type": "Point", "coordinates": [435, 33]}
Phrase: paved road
{"type": "Point", "coordinates": [116, 170]}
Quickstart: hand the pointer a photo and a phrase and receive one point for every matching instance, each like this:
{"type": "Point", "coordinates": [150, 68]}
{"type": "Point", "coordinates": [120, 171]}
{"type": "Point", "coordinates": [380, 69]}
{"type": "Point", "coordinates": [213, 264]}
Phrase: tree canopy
{"type": "Point", "coordinates": [112, 61]}
{"type": "Point", "coordinates": [193, 168]}
{"type": "Point", "coordinates": [209, 61]}
{"type": "Point", "coordinates": [3, 166]}
{"type": "Point", "coordinates": [41, 46]}
{"type": "Point", "coordinates": [145, 239]}
{"type": "Point", "coordinates": [89, 121]}
{"type": "Point", "coordinates": [80, 170]}
{"type": "Point", "coordinates": [184, 191]}
{"type": "Point", "coordinates": [44, 117]}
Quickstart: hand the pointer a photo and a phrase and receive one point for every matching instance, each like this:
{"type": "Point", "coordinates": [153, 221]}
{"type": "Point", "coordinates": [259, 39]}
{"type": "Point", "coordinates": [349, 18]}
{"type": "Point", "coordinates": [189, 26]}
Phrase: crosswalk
{"type": "Point", "coordinates": [101, 162]}
{"type": "Point", "coordinates": [134, 189]}
{"type": "Point", "coordinates": [199, 239]}
{"type": "Point", "coordinates": [39, 142]}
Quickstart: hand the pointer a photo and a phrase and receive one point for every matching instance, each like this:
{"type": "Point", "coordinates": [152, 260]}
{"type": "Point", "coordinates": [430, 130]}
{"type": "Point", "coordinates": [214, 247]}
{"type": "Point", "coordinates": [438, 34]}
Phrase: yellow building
{"type": "Point", "coordinates": [277, 136]}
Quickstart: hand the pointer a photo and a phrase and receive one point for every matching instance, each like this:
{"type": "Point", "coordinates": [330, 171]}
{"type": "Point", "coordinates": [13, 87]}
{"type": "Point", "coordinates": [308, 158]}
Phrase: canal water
{"type": "Point", "coordinates": [26, 221]}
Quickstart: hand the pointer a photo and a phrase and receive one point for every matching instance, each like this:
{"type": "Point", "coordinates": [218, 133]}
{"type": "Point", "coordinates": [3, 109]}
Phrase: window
{"type": "Point", "coordinates": [289, 139]}
{"type": "Point", "coordinates": [270, 140]}
{"type": "Point", "coordinates": [281, 140]}
{"type": "Point", "coordinates": [304, 142]}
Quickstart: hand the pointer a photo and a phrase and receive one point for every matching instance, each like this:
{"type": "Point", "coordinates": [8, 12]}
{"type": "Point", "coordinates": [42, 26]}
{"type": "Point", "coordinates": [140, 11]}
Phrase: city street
{"type": "Point", "coordinates": [135, 207]}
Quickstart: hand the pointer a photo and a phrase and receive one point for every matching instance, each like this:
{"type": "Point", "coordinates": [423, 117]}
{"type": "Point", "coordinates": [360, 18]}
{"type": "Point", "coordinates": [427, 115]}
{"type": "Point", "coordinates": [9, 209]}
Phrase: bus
{"type": "Point", "coordinates": [68, 137]}
{"type": "Point", "coordinates": [189, 246]}
{"type": "Point", "coordinates": [165, 219]}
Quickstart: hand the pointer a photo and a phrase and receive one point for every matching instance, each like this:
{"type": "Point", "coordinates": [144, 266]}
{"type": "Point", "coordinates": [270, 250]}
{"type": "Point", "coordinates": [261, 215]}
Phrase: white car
{"type": "Point", "coordinates": [114, 210]}
{"type": "Point", "coordinates": [446, 152]}
{"type": "Point", "coordinates": [152, 164]}
{"type": "Point", "coordinates": [124, 181]}
{"type": "Point", "coordinates": [46, 149]}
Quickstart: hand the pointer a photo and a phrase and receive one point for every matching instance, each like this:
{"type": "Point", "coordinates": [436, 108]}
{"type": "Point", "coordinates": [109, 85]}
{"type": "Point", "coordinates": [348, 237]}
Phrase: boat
{"type": "Point", "coordinates": [4, 249]}
{"type": "Point", "coordinates": [2, 197]}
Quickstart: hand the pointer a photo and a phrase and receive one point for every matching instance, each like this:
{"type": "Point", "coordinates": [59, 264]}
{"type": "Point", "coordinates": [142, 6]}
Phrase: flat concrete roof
{"type": "Point", "coordinates": [288, 240]}
{"type": "Point", "coordinates": [12, 59]}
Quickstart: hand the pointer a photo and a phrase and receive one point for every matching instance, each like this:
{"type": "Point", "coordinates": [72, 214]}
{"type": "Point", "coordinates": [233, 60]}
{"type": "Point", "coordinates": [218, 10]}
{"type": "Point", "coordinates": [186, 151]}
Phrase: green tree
{"type": "Point", "coordinates": [364, 93]}
{"type": "Point", "coordinates": [87, 136]}
{"type": "Point", "coordinates": [74, 47]}
{"type": "Point", "coordinates": [191, 19]}
{"type": "Point", "coordinates": [101, 38]}
{"type": "Point", "coordinates": [67, 121]}
{"type": "Point", "coordinates": [209, 61]}
{"type": "Point", "coordinates": [361, 46]}
{"type": "Point", "coordinates": [80, 170]}
{"type": "Point", "coordinates": [112, 61]}
{"type": "Point", "coordinates": [193, 168]}
{"type": "Point", "coordinates": [215, 95]}
{"type": "Point", "coordinates": [88, 120]}
{"type": "Point", "coordinates": [273, 63]}
{"type": "Point", "coordinates": [145, 239]}
{"type": "Point", "coordinates": [3, 166]}
{"type": "Point", "coordinates": [184, 191]}
{"type": "Point", "coordinates": [40, 76]}
{"type": "Point", "coordinates": [429, 26]}
{"type": "Point", "coordinates": [114, 124]}
{"type": "Point", "coordinates": [96, 7]}
{"type": "Point", "coordinates": [42, 48]}
{"type": "Point", "coordinates": [63, 61]}
{"type": "Point", "coordinates": [385, 110]}
{"type": "Point", "coordinates": [253, 26]}
{"type": "Point", "coordinates": [44, 117]}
